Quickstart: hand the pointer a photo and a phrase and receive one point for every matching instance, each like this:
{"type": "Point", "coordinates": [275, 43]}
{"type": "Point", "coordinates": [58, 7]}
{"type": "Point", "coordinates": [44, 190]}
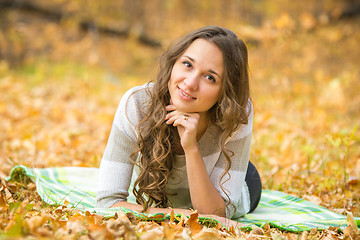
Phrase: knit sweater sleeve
{"type": "Point", "coordinates": [234, 189]}
{"type": "Point", "coordinates": [116, 167]}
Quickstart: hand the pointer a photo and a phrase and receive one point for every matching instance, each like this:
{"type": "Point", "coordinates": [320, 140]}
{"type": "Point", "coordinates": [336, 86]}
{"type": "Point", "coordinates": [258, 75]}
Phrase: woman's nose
{"type": "Point", "coordinates": [192, 81]}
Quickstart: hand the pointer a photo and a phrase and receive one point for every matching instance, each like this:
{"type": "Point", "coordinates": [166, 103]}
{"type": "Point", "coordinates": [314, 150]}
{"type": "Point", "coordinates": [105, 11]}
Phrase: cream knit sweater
{"type": "Point", "coordinates": [117, 173]}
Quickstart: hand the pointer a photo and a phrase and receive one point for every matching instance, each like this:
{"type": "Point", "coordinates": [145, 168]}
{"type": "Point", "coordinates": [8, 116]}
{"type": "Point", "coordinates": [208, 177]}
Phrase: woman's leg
{"type": "Point", "coordinates": [253, 182]}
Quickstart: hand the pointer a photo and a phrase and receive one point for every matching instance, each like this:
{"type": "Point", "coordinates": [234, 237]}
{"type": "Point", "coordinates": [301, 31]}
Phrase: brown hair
{"type": "Point", "coordinates": [157, 139]}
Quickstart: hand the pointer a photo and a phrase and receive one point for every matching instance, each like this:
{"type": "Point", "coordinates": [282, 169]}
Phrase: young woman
{"type": "Point", "coordinates": [184, 140]}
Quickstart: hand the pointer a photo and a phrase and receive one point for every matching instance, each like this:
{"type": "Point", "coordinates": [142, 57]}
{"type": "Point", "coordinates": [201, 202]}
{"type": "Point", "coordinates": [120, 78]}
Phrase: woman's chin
{"type": "Point", "coordinates": [182, 108]}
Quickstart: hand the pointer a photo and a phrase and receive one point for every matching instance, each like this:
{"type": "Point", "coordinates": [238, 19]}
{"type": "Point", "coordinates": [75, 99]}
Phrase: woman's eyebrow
{"type": "Point", "coordinates": [190, 58]}
{"type": "Point", "coordinates": [210, 70]}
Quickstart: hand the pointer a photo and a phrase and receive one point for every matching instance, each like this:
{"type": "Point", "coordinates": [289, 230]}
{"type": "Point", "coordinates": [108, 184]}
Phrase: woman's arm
{"type": "Point", "coordinates": [116, 168]}
{"type": "Point", "coordinates": [204, 196]}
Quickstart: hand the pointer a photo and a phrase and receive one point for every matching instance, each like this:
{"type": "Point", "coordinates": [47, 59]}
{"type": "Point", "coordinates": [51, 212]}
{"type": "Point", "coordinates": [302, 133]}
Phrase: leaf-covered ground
{"type": "Point", "coordinates": [57, 111]}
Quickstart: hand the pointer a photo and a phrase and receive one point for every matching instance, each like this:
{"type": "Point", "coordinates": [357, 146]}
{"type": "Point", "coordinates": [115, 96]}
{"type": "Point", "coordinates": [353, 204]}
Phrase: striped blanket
{"type": "Point", "coordinates": [75, 186]}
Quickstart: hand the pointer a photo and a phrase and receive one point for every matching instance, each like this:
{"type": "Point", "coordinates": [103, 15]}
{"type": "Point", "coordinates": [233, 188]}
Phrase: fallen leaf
{"type": "Point", "coordinates": [182, 220]}
{"type": "Point", "coordinates": [304, 235]}
{"type": "Point", "coordinates": [193, 223]}
{"type": "Point", "coordinates": [169, 232]}
{"type": "Point", "coordinates": [353, 181]}
{"type": "Point", "coordinates": [97, 231]}
{"type": "Point", "coordinates": [172, 215]}
{"type": "Point", "coordinates": [349, 233]}
{"type": "Point", "coordinates": [256, 231]}
{"type": "Point", "coordinates": [3, 204]}
{"type": "Point", "coordinates": [208, 234]}
{"type": "Point", "coordinates": [351, 222]}
{"type": "Point", "coordinates": [130, 216]}
{"type": "Point", "coordinates": [150, 236]}
{"type": "Point", "coordinates": [232, 230]}
{"type": "Point", "coordinates": [122, 218]}
{"type": "Point", "coordinates": [266, 230]}
{"type": "Point", "coordinates": [218, 226]}
{"type": "Point", "coordinates": [35, 222]}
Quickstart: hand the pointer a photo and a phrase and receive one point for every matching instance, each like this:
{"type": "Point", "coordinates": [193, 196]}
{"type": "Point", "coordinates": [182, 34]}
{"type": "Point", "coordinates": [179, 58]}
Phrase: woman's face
{"type": "Point", "coordinates": [196, 78]}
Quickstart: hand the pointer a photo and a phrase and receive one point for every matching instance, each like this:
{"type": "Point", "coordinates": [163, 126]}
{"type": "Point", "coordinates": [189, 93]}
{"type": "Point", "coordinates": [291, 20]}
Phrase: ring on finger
{"type": "Point", "coordinates": [186, 117]}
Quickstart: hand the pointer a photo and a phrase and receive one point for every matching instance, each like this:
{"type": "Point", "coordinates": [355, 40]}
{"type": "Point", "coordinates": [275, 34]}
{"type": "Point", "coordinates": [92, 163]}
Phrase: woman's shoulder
{"type": "Point", "coordinates": [142, 91]}
{"type": "Point", "coordinates": [133, 103]}
{"type": "Point", "coordinates": [136, 96]}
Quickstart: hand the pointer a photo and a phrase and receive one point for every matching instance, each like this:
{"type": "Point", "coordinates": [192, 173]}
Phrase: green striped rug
{"type": "Point", "coordinates": [76, 185]}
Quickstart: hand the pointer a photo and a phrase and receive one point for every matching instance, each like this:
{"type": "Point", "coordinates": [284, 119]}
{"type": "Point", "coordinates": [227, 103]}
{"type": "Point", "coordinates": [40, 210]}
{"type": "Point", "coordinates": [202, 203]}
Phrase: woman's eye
{"type": "Point", "coordinates": [187, 64]}
{"type": "Point", "coordinates": [211, 78]}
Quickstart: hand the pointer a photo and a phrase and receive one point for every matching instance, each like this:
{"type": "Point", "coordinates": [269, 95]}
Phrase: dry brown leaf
{"type": "Point", "coordinates": [93, 218]}
{"type": "Point", "coordinates": [256, 231]}
{"type": "Point", "coordinates": [74, 226]}
{"type": "Point", "coordinates": [182, 221]}
{"type": "Point", "coordinates": [218, 226]}
{"type": "Point", "coordinates": [152, 235]}
{"type": "Point", "coordinates": [314, 234]}
{"type": "Point", "coordinates": [231, 230]}
{"type": "Point", "coordinates": [120, 228]}
{"type": "Point", "coordinates": [266, 230]}
{"type": "Point", "coordinates": [60, 209]}
{"type": "Point", "coordinates": [5, 195]}
{"type": "Point", "coordinates": [349, 233]}
{"type": "Point", "coordinates": [353, 181]}
{"type": "Point", "coordinates": [34, 223]}
{"type": "Point", "coordinates": [172, 215]}
{"type": "Point", "coordinates": [208, 234]}
{"type": "Point", "coordinates": [304, 235]}
{"type": "Point", "coordinates": [169, 231]}
{"type": "Point", "coordinates": [193, 223]}
{"type": "Point", "coordinates": [277, 236]}
{"type": "Point", "coordinates": [77, 217]}
{"type": "Point", "coordinates": [130, 216]}
{"type": "Point", "coordinates": [10, 186]}
{"type": "Point", "coordinates": [122, 218]}
{"type": "Point", "coordinates": [3, 204]}
{"type": "Point", "coordinates": [351, 222]}
{"type": "Point", "coordinates": [97, 231]}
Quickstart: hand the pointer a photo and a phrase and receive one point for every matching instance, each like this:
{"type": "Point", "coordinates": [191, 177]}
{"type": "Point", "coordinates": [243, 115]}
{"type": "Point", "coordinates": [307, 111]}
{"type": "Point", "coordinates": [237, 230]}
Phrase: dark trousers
{"type": "Point", "coordinates": [253, 182]}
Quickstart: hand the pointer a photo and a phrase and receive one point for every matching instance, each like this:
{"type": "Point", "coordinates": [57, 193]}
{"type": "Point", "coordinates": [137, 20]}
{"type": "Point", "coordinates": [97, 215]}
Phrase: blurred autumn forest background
{"type": "Point", "coordinates": [65, 64]}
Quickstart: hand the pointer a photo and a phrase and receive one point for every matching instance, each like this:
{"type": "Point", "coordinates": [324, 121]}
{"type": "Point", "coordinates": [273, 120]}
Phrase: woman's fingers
{"type": "Point", "coordinates": [177, 118]}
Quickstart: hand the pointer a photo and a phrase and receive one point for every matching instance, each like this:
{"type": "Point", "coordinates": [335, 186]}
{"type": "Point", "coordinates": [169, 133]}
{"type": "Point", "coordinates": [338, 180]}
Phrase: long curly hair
{"type": "Point", "coordinates": [157, 140]}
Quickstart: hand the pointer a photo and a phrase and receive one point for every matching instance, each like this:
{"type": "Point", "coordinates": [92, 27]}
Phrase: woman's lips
{"type": "Point", "coordinates": [185, 94]}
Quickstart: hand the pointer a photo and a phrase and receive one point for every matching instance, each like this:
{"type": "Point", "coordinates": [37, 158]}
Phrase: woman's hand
{"type": "Point", "coordinates": [187, 125]}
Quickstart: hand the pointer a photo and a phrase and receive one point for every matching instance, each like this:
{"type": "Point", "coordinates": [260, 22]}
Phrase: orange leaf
{"type": "Point", "coordinates": [232, 230]}
{"type": "Point", "coordinates": [172, 215]}
{"type": "Point", "coordinates": [3, 204]}
{"type": "Point", "coordinates": [353, 181]}
{"type": "Point", "coordinates": [351, 222]}
{"type": "Point", "coordinates": [218, 226]}
{"type": "Point", "coordinates": [266, 230]}
{"type": "Point", "coordinates": [182, 220]}
{"type": "Point", "coordinates": [193, 223]}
